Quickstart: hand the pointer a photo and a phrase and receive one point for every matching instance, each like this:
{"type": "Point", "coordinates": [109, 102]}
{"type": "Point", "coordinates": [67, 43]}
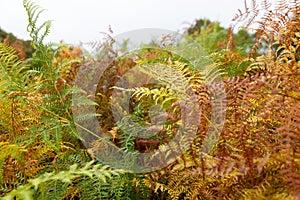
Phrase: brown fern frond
{"type": "Point", "coordinates": [289, 145]}
{"type": "Point", "coordinates": [295, 9]}
{"type": "Point", "coordinates": [271, 23]}
{"type": "Point", "coordinates": [255, 12]}
{"type": "Point", "coordinates": [266, 4]}
{"type": "Point", "coordinates": [281, 5]}
{"type": "Point", "coordinates": [241, 16]}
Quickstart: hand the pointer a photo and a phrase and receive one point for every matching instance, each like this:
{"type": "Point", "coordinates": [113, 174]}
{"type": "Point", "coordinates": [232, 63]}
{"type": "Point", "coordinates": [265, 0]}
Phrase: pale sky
{"type": "Point", "coordinates": [82, 20]}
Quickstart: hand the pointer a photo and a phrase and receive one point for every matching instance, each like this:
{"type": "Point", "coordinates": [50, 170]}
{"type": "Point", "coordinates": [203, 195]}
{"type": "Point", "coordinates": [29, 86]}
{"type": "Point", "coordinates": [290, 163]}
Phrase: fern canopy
{"type": "Point", "coordinates": [161, 101]}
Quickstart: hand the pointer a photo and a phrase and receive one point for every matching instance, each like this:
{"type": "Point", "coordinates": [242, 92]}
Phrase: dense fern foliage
{"type": "Point", "coordinates": [254, 155]}
{"type": "Point", "coordinates": [23, 48]}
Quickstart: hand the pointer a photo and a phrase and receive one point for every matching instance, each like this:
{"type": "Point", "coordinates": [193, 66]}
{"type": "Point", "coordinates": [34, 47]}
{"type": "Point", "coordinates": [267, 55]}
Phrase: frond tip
{"type": "Point", "coordinates": [37, 33]}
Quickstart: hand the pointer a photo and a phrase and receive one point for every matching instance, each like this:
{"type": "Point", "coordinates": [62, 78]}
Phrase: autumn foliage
{"type": "Point", "coordinates": [257, 152]}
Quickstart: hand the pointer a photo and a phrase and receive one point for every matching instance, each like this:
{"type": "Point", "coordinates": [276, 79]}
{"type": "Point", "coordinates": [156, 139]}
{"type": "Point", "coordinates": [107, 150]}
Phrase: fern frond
{"type": "Point", "coordinates": [11, 69]}
{"type": "Point", "coordinates": [90, 170]}
{"type": "Point", "coordinates": [37, 33]}
{"type": "Point", "coordinates": [281, 5]}
{"type": "Point", "coordinates": [266, 4]}
{"type": "Point", "coordinates": [243, 15]}
{"type": "Point", "coordinates": [7, 149]}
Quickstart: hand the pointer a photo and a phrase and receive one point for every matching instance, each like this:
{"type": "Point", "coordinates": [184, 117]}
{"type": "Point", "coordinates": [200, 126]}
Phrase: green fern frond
{"type": "Point", "coordinates": [11, 68]}
{"type": "Point", "coordinates": [37, 33]}
{"type": "Point", "coordinates": [102, 172]}
{"type": "Point", "coordinates": [8, 55]}
{"type": "Point", "coordinates": [158, 95]}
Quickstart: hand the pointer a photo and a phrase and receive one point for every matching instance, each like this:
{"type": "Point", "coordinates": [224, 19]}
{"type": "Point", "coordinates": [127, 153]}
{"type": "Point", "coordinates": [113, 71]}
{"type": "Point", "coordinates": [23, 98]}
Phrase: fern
{"type": "Point", "coordinates": [12, 150]}
{"type": "Point", "coordinates": [27, 191]}
{"type": "Point", "coordinates": [11, 70]}
{"type": "Point", "coordinates": [256, 156]}
{"type": "Point", "coordinates": [37, 33]}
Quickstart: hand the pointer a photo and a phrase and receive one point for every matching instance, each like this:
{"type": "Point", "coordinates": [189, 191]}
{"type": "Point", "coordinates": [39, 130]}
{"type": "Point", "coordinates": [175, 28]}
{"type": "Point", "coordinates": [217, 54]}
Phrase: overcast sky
{"type": "Point", "coordinates": [77, 21]}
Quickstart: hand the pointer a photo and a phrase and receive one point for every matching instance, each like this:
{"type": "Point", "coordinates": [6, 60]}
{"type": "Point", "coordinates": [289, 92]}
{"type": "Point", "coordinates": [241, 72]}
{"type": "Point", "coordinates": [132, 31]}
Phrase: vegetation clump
{"type": "Point", "coordinates": [257, 154]}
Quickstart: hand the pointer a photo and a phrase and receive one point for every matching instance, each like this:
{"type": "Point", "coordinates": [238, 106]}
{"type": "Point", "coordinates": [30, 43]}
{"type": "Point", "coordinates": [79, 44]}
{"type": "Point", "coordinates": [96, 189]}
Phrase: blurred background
{"type": "Point", "coordinates": [82, 21]}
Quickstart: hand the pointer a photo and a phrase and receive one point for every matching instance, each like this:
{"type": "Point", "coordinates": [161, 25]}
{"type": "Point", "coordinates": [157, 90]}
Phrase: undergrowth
{"type": "Point", "coordinates": [257, 155]}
